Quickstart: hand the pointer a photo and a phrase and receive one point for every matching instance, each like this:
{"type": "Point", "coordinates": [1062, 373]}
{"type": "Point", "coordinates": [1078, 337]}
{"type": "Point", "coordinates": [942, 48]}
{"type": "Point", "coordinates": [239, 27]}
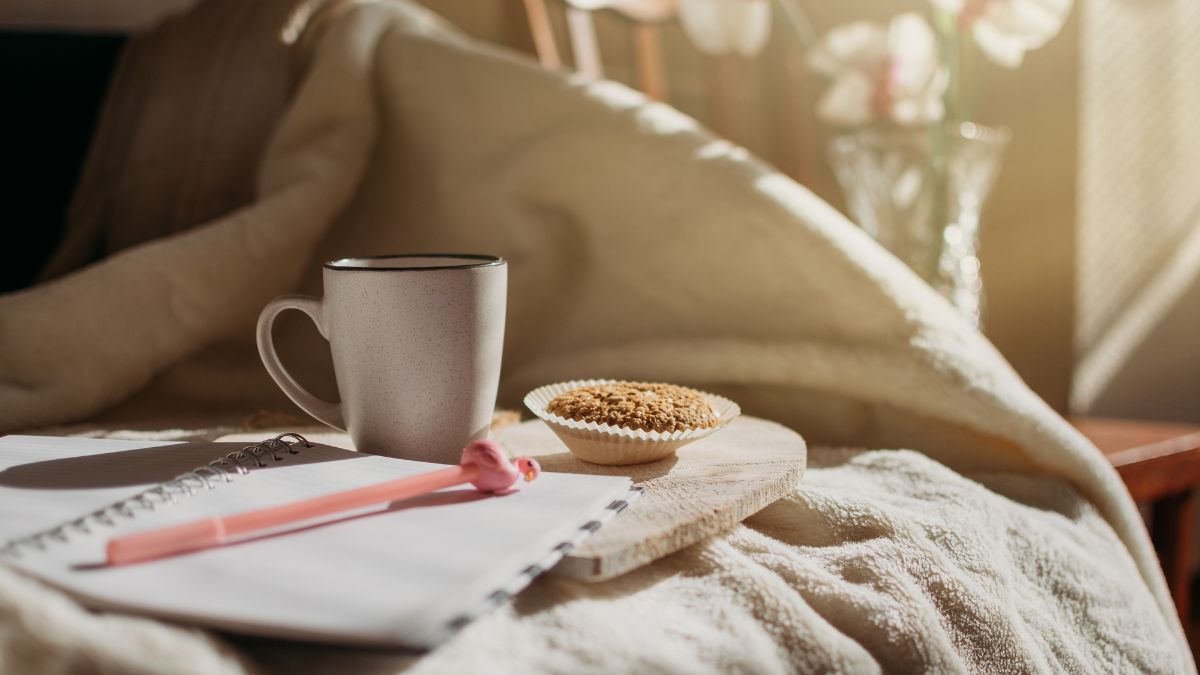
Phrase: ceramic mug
{"type": "Point", "coordinates": [416, 343]}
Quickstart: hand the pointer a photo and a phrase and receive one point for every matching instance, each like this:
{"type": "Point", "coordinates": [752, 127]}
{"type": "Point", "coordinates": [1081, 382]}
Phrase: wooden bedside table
{"type": "Point", "coordinates": [1160, 464]}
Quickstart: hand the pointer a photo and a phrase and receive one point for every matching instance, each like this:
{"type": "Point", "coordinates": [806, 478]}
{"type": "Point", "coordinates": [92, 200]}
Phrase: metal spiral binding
{"type": "Point", "coordinates": [206, 477]}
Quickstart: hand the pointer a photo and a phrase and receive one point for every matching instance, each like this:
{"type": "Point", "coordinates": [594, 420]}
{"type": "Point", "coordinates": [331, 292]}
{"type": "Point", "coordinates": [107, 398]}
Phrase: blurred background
{"type": "Point", "coordinates": [1089, 240]}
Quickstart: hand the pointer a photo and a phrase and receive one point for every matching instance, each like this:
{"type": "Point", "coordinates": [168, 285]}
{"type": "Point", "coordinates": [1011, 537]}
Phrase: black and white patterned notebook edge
{"type": "Point", "coordinates": [532, 571]}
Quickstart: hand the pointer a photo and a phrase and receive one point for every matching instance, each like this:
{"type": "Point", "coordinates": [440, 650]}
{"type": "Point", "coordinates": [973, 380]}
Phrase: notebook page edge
{"type": "Point", "coordinates": [485, 603]}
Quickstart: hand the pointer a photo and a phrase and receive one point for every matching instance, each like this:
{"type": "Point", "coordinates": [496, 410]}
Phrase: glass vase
{"type": "Point", "coordinates": [919, 193]}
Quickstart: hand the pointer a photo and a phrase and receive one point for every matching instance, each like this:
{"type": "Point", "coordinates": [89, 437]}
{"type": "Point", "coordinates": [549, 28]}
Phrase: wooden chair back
{"type": "Point", "coordinates": [645, 20]}
{"type": "Point", "coordinates": [645, 17]}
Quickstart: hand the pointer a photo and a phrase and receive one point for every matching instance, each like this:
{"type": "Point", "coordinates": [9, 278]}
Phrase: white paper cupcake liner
{"type": "Point", "coordinates": [606, 444]}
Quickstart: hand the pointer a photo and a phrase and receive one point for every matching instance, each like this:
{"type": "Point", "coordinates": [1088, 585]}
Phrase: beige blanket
{"type": "Point", "coordinates": [640, 247]}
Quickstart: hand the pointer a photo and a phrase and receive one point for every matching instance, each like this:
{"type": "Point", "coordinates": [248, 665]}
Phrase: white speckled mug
{"type": "Point", "coordinates": [416, 343]}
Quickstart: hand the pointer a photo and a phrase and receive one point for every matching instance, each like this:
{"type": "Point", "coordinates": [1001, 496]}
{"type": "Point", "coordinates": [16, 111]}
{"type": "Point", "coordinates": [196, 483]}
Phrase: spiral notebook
{"type": "Point", "coordinates": [409, 573]}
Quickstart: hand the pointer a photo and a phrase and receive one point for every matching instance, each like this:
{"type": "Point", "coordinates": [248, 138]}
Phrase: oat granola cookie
{"type": "Point", "coordinates": [637, 405]}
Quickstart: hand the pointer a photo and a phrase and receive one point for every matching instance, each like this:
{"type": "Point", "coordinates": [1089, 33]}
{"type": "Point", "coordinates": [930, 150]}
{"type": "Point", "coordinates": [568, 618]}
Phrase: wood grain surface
{"type": "Point", "coordinates": [1155, 459]}
{"type": "Point", "coordinates": [705, 489]}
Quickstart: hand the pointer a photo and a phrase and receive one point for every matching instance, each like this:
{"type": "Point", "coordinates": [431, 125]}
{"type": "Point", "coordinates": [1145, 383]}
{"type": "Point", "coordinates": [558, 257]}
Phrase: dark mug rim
{"type": "Point", "coordinates": [471, 261]}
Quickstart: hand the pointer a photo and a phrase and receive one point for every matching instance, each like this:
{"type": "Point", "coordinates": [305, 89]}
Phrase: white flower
{"type": "Point", "coordinates": [1006, 29]}
{"type": "Point", "coordinates": [725, 26]}
{"type": "Point", "coordinates": [881, 73]}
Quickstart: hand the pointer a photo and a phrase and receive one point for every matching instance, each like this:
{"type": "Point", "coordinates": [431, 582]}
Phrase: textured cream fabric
{"type": "Point", "coordinates": [880, 561]}
{"type": "Point", "coordinates": [180, 137]}
{"type": "Point", "coordinates": [640, 246]}
{"type": "Point", "coordinates": [1138, 272]}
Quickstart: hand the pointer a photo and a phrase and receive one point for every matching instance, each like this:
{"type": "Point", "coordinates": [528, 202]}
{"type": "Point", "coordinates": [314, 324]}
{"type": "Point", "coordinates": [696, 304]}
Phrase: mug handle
{"type": "Point", "coordinates": [329, 413]}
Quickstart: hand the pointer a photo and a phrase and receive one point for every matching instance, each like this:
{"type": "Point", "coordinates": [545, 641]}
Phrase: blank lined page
{"type": "Point", "coordinates": [396, 574]}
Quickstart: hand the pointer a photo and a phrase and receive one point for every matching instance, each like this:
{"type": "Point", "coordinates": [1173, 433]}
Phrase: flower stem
{"type": "Point", "coordinates": [950, 48]}
{"type": "Point", "coordinates": [968, 77]}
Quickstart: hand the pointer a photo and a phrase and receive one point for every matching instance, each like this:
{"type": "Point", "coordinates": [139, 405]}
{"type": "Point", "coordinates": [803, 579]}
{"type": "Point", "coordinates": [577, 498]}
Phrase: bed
{"type": "Point", "coordinates": [949, 520]}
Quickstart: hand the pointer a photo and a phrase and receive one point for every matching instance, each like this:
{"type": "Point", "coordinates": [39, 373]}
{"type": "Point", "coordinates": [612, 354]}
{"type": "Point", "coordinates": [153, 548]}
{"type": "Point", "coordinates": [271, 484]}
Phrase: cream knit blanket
{"type": "Point", "coordinates": [640, 246]}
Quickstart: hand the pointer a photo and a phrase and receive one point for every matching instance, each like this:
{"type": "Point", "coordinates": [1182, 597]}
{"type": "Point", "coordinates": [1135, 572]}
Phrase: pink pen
{"type": "Point", "coordinates": [484, 465]}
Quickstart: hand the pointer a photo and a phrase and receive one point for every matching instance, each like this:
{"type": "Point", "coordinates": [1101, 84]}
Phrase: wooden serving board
{"type": "Point", "coordinates": [705, 489]}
